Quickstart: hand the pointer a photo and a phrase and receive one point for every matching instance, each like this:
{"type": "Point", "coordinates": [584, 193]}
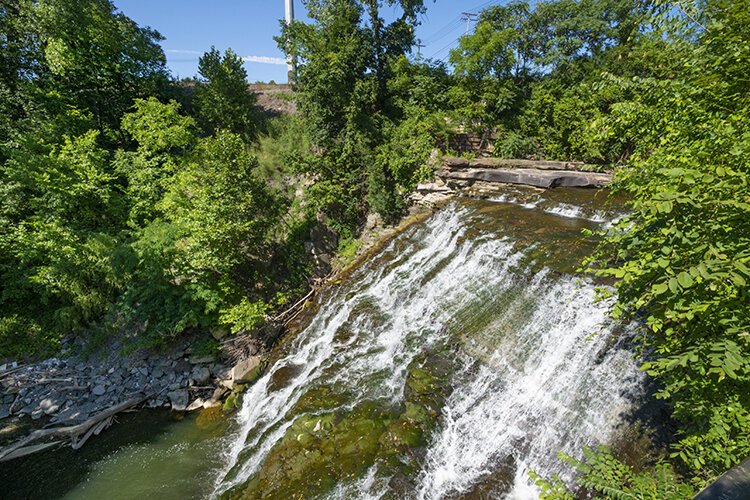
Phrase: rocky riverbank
{"type": "Point", "coordinates": [72, 388]}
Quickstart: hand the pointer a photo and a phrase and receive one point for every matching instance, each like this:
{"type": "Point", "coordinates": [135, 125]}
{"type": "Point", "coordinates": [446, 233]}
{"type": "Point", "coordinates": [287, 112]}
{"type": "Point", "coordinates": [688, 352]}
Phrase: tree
{"type": "Point", "coordinates": [61, 214]}
{"type": "Point", "coordinates": [98, 59]}
{"type": "Point", "coordinates": [163, 136]}
{"type": "Point", "coordinates": [204, 262]}
{"type": "Point", "coordinates": [344, 65]}
{"type": "Point", "coordinates": [222, 98]}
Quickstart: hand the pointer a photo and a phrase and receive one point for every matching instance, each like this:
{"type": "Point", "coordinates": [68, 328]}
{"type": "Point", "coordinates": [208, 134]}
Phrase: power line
{"type": "Point", "coordinates": [466, 16]}
{"type": "Point", "coordinates": [455, 23]}
{"type": "Point", "coordinates": [447, 46]}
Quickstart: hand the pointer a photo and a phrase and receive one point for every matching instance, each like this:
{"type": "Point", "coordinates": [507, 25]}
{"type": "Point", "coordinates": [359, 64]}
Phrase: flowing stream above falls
{"type": "Point", "coordinates": [464, 355]}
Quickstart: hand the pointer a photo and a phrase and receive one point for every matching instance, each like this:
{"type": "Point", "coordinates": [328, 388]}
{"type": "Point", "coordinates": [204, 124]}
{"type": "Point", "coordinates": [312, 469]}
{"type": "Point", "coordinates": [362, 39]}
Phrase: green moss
{"type": "Point", "coordinates": [318, 399]}
{"type": "Point", "coordinates": [317, 451]}
{"type": "Point", "coordinates": [231, 402]}
{"type": "Point", "coordinates": [327, 445]}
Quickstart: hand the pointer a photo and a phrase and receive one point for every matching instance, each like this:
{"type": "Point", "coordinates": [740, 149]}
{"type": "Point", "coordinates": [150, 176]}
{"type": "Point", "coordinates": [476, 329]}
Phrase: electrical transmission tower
{"type": "Point", "coordinates": [468, 17]}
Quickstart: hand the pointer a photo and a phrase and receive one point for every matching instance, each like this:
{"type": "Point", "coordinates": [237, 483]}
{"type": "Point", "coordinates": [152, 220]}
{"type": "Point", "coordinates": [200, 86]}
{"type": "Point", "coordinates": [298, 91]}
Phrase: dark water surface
{"type": "Point", "coordinates": [147, 455]}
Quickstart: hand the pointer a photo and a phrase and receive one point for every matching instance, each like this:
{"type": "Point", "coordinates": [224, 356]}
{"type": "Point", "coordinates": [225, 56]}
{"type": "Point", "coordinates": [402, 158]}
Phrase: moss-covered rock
{"type": "Point", "coordinates": [318, 399]}
{"type": "Point", "coordinates": [318, 451]}
{"type": "Point", "coordinates": [232, 401]}
{"type": "Point", "coordinates": [328, 444]}
{"type": "Point", "coordinates": [427, 386]}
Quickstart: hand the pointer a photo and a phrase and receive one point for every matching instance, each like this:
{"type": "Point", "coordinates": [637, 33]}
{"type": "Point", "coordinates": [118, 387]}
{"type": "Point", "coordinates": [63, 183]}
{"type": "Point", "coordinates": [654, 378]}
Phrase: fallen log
{"type": "Point", "coordinates": [297, 304]}
{"type": "Point", "coordinates": [74, 431]}
{"type": "Point", "coordinates": [12, 370]}
{"type": "Point", "coordinates": [28, 450]}
{"type": "Point", "coordinates": [95, 430]}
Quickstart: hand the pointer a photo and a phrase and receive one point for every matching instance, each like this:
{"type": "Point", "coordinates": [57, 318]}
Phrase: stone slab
{"type": "Point", "coordinates": [545, 179]}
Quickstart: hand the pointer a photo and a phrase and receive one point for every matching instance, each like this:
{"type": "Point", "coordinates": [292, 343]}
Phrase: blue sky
{"type": "Point", "coordinates": [248, 26]}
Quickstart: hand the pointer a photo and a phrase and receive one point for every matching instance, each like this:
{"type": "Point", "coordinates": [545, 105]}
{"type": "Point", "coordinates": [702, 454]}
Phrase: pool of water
{"type": "Point", "coordinates": [146, 455]}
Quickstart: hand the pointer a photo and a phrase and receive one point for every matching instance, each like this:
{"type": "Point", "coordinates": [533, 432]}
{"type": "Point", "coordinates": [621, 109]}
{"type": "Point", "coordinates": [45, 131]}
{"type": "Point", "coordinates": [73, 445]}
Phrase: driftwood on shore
{"type": "Point", "coordinates": [78, 434]}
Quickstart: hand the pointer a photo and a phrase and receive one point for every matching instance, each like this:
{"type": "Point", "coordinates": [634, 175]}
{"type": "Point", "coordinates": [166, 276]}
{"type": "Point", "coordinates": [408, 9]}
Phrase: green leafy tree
{"type": "Point", "coordinates": [222, 97]}
{"type": "Point", "coordinates": [163, 136]}
{"type": "Point", "coordinates": [345, 62]}
{"type": "Point", "coordinates": [98, 59]}
{"type": "Point", "coordinates": [61, 211]}
{"type": "Point", "coordinates": [533, 74]}
{"type": "Point", "coordinates": [204, 262]}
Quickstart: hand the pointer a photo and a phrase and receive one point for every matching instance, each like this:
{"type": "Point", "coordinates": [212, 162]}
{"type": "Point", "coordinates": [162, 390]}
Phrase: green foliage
{"type": "Point", "coordinates": [534, 73]}
{"type": "Point", "coordinates": [601, 474]}
{"type": "Point", "coordinates": [163, 135]}
{"type": "Point", "coordinates": [204, 262]}
{"type": "Point", "coordinates": [60, 208]}
{"type": "Point", "coordinates": [96, 57]}
{"type": "Point", "coordinates": [283, 138]}
{"type": "Point", "coordinates": [222, 97]}
{"type": "Point", "coordinates": [345, 63]}
{"type": "Point", "coordinates": [244, 316]}
{"type": "Point", "coordinates": [682, 258]}
{"type": "Point", "coordinates": [516, 145]}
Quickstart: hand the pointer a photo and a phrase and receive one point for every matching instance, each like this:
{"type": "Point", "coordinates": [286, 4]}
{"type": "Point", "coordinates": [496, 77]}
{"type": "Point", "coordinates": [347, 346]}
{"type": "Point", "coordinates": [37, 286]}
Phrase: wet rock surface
{"type": "Point", "coordinates": [329, 442]}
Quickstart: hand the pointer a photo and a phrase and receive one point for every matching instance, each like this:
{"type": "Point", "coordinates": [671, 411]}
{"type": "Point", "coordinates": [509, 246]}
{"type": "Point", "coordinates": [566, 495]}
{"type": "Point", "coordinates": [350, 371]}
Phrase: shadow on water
{"type": "Point", "coordinates": [149, 454]}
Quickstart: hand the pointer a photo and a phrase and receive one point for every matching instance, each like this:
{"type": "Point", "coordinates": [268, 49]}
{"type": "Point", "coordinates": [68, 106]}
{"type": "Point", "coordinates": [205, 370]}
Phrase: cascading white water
{"type": "Point", "coordinates": [534, 372]}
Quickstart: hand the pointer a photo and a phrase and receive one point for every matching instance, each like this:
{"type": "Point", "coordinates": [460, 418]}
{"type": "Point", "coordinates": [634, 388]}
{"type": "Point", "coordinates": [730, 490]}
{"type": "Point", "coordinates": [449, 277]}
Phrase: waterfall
{"type": "Point", "coordinates": [534, 366]}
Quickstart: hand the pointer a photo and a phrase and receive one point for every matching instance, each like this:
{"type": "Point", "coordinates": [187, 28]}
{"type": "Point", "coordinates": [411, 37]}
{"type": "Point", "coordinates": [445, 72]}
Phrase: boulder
{"type": "Point", "coordinates": [200, 375]}
{"type": "Point", "coordinates": [218, 393]}
{"type": "Point", "coordinates": [220, 371]}
{"type": "Point", "coordinates": [98, 390]}
{"type": "Point", "coordinates": [198, 403]}
{"type": "Point", "coordinates": [49, 406]}
{"type": "Point", "coordinates": [179, 399]}
{"type": "Point", "coordinates": [246, 370]}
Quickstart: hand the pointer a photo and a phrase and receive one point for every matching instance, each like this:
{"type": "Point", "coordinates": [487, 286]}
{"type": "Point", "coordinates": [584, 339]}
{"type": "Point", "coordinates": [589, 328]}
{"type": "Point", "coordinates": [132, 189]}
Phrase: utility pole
{"type": "Point", "coordinates": [290, 64]}
{"type": "Point", "coordinates": [419, 46]}
{"type": "Point", "coordinates": [468, 17]}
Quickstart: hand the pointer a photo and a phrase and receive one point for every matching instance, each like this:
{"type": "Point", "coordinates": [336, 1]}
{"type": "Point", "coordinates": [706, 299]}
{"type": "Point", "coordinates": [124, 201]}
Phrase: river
{"type": "Point", "coordinates": [464, 355]}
